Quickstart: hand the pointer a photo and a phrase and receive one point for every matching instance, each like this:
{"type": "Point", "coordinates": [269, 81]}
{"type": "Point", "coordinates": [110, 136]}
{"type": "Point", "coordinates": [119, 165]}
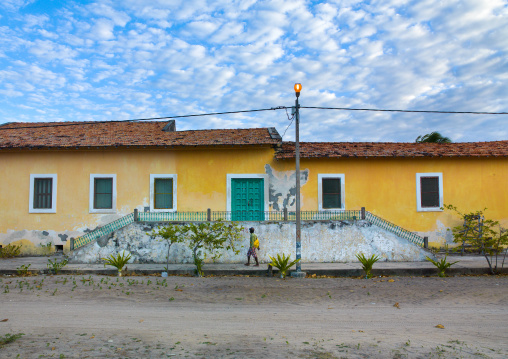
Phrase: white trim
{"type": "Point", "coordinates": [91, 209]}
{"type": "Point", "coordinates": [249, 175]}
{"type": "Point", "coordinates": [31, 208]}
{"type": "Point", "coordinates": [342, 190]}
{"type": "Point", "coordinates": [419, 207]}
{"type": "Point", "coordinates": [152, 192]}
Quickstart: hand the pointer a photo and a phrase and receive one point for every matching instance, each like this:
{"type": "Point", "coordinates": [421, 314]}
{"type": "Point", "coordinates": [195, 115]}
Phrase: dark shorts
{"type": "Point", "coordinates": [252, 252]}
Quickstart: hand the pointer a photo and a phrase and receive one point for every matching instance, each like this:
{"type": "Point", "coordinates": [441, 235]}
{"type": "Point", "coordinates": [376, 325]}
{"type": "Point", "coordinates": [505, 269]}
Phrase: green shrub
{"type": "Point", "coordinates": [367, 263]}
{"type": "Point", "coordinates": [283, 264]}
{"type": "Point", "coordinates": [441, 266]}
{"type": "Point", "coordinates": [484, 236]}
{"type": "Point", "coordinates": [23, 270]}
{"type": "Point", "coordinates": [118, 262]}
{"type": "Point", "coordinates": [9, 338]}
{"type": "Point", "coordinates": [55, 266]}
{"type": "Point", "coordinates": [171, 234]}
{"type": "Point", "coordinates": [10, 251]}
{"type": "Point", "coordinates": [211, 238]}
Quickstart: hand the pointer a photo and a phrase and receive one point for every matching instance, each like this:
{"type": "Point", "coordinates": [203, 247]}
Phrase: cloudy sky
{"type": "Point", "coordinates": [66, 60]}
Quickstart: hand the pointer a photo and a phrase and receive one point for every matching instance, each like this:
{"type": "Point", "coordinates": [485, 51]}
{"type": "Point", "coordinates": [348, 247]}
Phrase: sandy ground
{"type": "Point", "coordinates": [76, 316]}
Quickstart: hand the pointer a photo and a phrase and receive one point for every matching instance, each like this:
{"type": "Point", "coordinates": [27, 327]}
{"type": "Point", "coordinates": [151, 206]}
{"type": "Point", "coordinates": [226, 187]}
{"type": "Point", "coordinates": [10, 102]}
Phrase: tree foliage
{"type": "Point", "coordinates": [211, 239]}
{"type": "Point", "coordinates": [433, 137]}
{"type": "Point", "coordinates": [485, 236]}
{"type": "Point", "coordinates": [170, 233]}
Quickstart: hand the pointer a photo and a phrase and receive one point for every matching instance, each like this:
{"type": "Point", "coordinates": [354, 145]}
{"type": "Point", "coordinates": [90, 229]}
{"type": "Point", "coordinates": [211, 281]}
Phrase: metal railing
{"type": "Point", "coordinates": [242, 216]}
{"type": "Point", "coordinates": [102, 231]}
{"type": "Point", "coordinates": [172, 216]}
{"type": "Point", "coordinates": [399, 231]}
{"type": "Point", "coordinates": [261, 216]}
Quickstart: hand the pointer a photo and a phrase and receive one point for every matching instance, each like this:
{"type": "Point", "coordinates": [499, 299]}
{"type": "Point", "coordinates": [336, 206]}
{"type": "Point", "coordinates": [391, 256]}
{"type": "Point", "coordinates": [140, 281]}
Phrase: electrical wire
{"type": "Point", "coordinates": [289, 119]}
{"type": "Point", "coordinates": [136, 120]}
{"type": "Point", "coordinates": [248, 111]}
{"type": "Point", "coordinates": [410, 111]}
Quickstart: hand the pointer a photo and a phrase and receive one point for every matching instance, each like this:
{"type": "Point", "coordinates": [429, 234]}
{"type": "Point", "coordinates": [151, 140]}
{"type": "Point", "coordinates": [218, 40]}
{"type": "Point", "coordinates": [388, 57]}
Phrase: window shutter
{"type": "Point", "coordinates": [163, 193]}
{"type": "Point", "coordinates": [429, 188]}
{"type": "Point", "coordinates": [331, 193]}
{"type": "Point", "coordinates": [43, 191]}
{"type": "Point", "coordinates": [103, 196]}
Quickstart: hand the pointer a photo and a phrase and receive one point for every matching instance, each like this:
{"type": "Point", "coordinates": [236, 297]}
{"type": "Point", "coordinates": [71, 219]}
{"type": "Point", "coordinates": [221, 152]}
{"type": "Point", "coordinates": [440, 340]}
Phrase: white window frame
{"type": "Point", "coordinates": [31, 208]}
{"type": "Point", "coordinates": [419, 207]}
{"type": "Point", "coordinates": [153, 177]}
{"type": "Point", "coordinates": [91, 208]}
{"type": "Point", "coordinates": [342, 178]}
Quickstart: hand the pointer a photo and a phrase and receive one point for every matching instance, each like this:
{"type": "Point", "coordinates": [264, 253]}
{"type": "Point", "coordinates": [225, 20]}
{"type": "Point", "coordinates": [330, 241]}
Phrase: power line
{"type": "Point", "coordinates": [289, 119]}
{"type": "Point", "coordinates": [138, 119]}
{"type": "Point", "coordinates": [248, 111]}
{"type": "Point", "coordinates": [410, 111]}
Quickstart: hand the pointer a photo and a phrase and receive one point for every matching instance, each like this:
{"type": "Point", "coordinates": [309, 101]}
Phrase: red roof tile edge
{"type": "Point", "coordinates": [62, 135]}
{"type": "Point", "coordinates": [393, 149]}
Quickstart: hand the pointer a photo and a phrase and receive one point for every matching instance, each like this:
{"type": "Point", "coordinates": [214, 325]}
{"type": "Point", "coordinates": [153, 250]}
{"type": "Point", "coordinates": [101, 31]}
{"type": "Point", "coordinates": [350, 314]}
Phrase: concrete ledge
{"type": "Point", "coordinates": [400, 272]}
{"type": "Point", "coordinates": [467, 265]}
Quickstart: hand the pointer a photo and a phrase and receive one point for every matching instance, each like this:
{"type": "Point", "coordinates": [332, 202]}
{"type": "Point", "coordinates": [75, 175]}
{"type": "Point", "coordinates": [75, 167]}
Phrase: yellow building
{"type": "Point", "coordinates": [61, 180]}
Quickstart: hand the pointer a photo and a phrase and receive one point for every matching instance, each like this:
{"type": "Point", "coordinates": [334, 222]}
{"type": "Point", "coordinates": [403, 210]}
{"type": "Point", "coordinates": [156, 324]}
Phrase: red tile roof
{"type": "Point", "coordinates": [133, 134]}
{"type": "Point", "coordinates": [393, 149]}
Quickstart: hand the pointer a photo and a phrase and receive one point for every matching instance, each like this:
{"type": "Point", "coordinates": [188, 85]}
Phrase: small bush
{"type": "Point", "coordinates": [9, 338]}
{"type": "Point", "coordinates": [23, 270]}
{"type": "Point", "coordinates": [10, 251]}
{"type": "Point", "coordinates": [367, 263]}
{"type": "Point", "coordinates": [441, 266]}
{"type": "Point", "coordinates": [211, 238]}
{"type": "Point", "coordinates": [283, 264]}
{"type": "Point", "coordinates": [55, 266]}
{"type": "Point", "coordinates": [118, 262]}
{"type": "Point", "coordinates": [170, 233]}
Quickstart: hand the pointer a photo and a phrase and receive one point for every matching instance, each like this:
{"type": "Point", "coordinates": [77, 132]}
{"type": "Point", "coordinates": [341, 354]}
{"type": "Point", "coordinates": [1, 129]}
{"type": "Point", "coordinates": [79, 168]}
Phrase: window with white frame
{"type": "Point", "coordinates": [331, 193]}
{"type": "Point", "coordinates": [163, 192]}
{"type": "Point", "coordinates": [102, 193]}
{"type": "Point", "coordinates": [42, 197]}
{"type": "Point", "coordinates": [429, 191]}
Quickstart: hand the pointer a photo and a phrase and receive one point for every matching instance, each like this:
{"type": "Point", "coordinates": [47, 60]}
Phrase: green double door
{"type": "Point", "coordinates": [247, 199]}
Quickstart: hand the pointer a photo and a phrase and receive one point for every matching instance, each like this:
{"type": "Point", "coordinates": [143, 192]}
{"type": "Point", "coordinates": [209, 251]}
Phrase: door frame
{"type": "Point", "coordinates": [230, 177]}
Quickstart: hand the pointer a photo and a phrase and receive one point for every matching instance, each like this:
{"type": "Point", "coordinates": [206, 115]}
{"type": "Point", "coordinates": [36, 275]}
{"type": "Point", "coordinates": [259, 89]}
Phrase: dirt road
{"type": "Point", "coordinates": [254, 317]}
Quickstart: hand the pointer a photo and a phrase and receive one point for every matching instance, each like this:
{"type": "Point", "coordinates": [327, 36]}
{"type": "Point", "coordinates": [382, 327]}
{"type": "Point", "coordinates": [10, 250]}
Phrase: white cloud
{"type": "Point", "coordinates": [47, 50]}
{"type": "Point", "coordinates": [134, 58]}
{"type": "Point", "coordinates": [119, 18]}
{"type": "Point", "coordinates": [14, 5]}
{"type": "Point", "coordinates": [102, 29]}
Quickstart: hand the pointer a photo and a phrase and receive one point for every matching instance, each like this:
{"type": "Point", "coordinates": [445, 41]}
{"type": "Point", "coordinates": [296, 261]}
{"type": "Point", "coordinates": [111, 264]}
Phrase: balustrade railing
{"type": "Point", "coordinates": [243, 216]}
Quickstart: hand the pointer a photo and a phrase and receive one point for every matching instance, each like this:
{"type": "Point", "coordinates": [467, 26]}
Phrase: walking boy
{"type": "Point", "coordinates": [254, 244]}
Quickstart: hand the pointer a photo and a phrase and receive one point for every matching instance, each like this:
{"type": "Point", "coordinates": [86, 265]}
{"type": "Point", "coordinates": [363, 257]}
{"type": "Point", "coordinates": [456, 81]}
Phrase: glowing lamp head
{"type": "Point", "coordinates": [298, 88]}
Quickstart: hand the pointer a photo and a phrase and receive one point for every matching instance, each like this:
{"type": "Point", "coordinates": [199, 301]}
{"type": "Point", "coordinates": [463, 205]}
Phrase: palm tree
{"type": "Point", "coordinates": [433, 137]}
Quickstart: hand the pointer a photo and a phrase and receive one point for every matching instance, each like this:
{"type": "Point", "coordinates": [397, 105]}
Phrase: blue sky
{"type": "Point", "coordinates": [119, 60]}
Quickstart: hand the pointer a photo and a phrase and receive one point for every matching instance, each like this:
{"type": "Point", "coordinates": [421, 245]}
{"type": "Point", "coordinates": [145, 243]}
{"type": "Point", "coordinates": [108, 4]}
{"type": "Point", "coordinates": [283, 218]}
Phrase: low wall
{"type": "Point", "coordinates": [330, 241]}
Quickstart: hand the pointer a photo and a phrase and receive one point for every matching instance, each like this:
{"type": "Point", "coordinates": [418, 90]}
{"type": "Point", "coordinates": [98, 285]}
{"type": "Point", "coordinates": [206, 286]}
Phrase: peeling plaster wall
{"type": "Point", "coordinates": [282, 190]}
{"type": "Point", "coordinates": [337, 241]}
{"type": "Point", "coordinates": [34, 242]}
{"type": "Point", "coordinates": [440, 237]}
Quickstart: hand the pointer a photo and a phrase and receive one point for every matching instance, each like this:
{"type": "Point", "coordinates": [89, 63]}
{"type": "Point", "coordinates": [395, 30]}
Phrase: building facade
{"type": "Point", "coordinates": [61, 180]}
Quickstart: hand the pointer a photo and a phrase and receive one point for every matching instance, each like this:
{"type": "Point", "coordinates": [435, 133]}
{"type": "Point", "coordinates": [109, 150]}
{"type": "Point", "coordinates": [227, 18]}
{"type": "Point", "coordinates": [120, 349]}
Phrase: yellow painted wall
{"type": "Point", "coordinates": [201, 182]}
{"type": "Point", "coordinates": [385, 187]}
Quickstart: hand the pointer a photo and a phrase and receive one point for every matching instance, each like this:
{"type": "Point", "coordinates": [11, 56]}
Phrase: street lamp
{"type": "Point", "coordinates": [299, 273]}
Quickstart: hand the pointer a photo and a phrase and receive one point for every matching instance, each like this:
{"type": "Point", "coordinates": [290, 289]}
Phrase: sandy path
{"type": "Point", "coordinates": [241, 317]}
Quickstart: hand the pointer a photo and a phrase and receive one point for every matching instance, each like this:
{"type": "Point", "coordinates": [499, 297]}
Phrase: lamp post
{"type": "Point", "coordinates": [298, 273]}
